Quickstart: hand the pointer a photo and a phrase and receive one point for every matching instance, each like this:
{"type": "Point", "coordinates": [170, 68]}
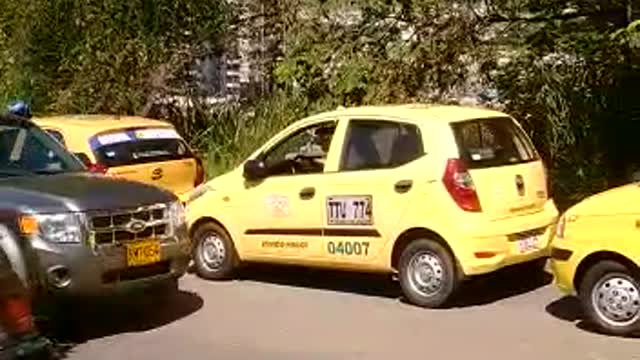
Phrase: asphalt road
{"type": "Point", "coordinates": [286, 313]}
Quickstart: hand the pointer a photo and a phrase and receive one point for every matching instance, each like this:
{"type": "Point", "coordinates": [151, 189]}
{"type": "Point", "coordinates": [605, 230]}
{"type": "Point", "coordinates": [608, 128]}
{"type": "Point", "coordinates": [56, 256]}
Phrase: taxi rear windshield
{"type": "Point", "coordinates": [493, 142]}
{"type": "Point", "coordinates": [139, 147]}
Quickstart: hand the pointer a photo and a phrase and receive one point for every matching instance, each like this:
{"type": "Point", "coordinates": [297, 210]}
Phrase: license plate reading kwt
{"type": "Point", "coordinates": [349, 210]}
{"type": "Point", "coordinates": [528, 244]}
{"type": "Point", "coordinates": [143, 253]}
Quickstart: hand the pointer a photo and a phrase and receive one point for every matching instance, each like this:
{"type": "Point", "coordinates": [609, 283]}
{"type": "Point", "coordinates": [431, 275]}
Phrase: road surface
{"type": "Point", "coordinates": [286, 313]}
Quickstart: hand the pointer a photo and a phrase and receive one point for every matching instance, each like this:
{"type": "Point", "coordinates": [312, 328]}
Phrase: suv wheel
{"type": "Point", "coordinates": [610, 296]}
{"type": "Point", "coordinates": [214, 254]}
{"type": "Point", "coordinates": [427, 273]}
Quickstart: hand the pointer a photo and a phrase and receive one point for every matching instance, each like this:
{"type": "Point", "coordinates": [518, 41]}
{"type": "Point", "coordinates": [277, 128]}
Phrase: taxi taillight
{"type": "Point", "coordinates": [97, 168]}
{"type": "Point", "coordinates": [200, 173]}
{"type": "Point", "coordinates": [458, 182]}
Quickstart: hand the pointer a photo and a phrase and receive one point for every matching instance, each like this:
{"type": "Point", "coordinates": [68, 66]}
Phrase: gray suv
{"type": "Point", "coordinates": [86, 233]}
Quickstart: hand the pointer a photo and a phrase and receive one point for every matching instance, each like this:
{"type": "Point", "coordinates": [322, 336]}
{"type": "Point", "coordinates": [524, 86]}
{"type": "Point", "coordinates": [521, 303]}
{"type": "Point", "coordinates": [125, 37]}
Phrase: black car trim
{"type": "Point", "coordinates": [343, 232]}
{"type": "Point", "coordinates": [560, 254]}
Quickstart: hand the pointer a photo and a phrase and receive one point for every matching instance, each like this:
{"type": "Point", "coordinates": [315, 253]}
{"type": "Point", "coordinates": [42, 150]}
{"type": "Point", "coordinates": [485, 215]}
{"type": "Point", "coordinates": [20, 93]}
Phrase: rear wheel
{"type": "Point", "coordinates": [214, 254]}
{"type": "Point", "coordinates": [610, 296]}
{"type": "Point", "coordinates": [427, 273]}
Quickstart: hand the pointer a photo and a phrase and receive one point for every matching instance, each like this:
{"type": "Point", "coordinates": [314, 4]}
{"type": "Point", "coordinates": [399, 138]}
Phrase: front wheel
{"type": "Point", "coordinates": [427, 273]}
{"type": "Point", "coordinates": [214, 254]}
{"type": "Point", "coordinates": [610, 296]}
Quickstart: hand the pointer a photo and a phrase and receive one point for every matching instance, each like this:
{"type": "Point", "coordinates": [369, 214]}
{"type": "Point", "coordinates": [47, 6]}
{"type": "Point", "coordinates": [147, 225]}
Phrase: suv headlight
{"type": "Point", "coordinates": [177, 214]}
{"type": "Point", "coordinates": [63, 228]}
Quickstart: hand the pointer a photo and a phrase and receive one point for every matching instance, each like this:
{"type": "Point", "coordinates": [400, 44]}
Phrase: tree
{"type": "Point", "coordinates": [103, 56]}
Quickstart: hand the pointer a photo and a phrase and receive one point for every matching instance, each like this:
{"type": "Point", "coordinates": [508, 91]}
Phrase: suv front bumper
{"type": "Point", "coordinates": [80, 270]}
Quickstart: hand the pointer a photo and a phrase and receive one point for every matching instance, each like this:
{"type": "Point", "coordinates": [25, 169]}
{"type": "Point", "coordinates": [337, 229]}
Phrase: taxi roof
{"type": "Point", "coordinates": [97, 123]}
{"type": "Point", "coordinates": [417, 112]}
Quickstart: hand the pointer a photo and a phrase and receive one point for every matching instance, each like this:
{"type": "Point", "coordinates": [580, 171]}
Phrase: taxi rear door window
{"type": "Point", "coordinates": [132, 148]}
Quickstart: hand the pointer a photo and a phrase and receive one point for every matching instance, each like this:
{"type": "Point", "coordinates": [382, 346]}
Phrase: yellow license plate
{"type": "Point", "coordinates": [143, 253]}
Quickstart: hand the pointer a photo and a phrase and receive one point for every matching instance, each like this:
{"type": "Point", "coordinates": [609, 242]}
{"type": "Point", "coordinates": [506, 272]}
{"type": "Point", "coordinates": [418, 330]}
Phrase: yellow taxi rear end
{"type": "Point", "coordinates": [499, 185]}
{"type": "Point", "coordinates": [138, 149]}
{"type": "Point", "coordinates": [153, 155]}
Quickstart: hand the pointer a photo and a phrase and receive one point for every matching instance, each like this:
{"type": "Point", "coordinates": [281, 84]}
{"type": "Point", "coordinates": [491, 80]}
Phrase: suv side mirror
{"type": "Point", "coordinates": [254, 170]}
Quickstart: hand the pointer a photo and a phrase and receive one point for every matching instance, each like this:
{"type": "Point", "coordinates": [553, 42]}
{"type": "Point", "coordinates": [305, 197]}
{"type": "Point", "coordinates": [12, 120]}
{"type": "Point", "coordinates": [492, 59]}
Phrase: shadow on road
{"type": "Point", "coordinates": [478, 291]}
{"type": "Point", "coordinates": [93, 319]}
{"type": "Point", "coordinates": [505, 283]}
{"type": "Point", "coordinates": [569, 309]}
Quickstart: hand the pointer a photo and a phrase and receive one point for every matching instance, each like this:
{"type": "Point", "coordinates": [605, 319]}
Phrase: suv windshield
{"type": "Point", "coordinates": [25, 149]}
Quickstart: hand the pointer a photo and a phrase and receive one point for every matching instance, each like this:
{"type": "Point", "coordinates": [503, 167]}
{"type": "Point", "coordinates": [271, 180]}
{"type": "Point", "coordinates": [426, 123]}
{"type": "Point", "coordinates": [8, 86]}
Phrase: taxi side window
{"type": "Point", "coordinates": [303, 152]}
{"type": "Point", "coordinates": [375, 144]}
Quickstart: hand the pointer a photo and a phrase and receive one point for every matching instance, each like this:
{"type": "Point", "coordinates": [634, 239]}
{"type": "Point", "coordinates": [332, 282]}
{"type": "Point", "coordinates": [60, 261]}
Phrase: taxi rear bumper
{"type": "Point", "coordinates": [513, 241]}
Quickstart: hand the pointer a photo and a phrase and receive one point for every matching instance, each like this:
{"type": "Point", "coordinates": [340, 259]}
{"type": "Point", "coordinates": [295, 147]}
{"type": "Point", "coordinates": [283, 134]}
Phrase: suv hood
{"type": "Point", "coordinates": [78, 192]}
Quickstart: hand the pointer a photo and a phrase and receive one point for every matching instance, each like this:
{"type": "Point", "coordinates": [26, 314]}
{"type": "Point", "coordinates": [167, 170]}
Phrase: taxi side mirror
{"type": "Point", "coordinates": [254, 170]}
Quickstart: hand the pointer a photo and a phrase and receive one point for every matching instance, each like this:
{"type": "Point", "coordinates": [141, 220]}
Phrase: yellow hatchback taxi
{"type": "Point", "coordinates": [433, 193]}
{"type": "Point", "coordinates": [596, 254]}
{"type": "Point", "coordinates": [134, 148]}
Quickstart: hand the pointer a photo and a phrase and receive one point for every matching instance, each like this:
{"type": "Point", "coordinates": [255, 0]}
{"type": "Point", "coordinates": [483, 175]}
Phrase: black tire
{"type": "Point", "coordinates": [442, 264]}
{"type": "Point", "coordinates": [596, 283]}
{"type": "Point", "coordinates": [206, 268]}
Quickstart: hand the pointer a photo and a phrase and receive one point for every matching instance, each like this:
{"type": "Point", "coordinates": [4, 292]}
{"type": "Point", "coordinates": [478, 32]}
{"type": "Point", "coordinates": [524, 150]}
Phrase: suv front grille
{"type": "Point", "coordinates": [116, 227]}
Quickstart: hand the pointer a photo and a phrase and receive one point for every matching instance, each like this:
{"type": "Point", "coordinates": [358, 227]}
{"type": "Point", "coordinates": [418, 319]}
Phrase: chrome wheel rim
{"type": "Point", "coordinates": [212, 252]}
{"type": "Point", "coordinates": [426, 273]}
{"type": "Point", "coordinates": [616, 299]}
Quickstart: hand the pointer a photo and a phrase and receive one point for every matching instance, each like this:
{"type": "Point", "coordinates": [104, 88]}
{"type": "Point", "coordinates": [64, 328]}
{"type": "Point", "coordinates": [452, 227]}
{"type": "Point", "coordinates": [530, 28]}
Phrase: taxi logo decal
{"type": "Point", "coordinates": [277, 205]}
{"type": "Point", "coordinates": [156, 174]}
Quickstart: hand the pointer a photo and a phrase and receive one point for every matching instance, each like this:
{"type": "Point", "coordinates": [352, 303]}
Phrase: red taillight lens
{"type": "Point", "coordinates": [15, 314]}
{"type": "Point", "coordinates": [98, 168]}
{"type": "Point", "coordinates": [458, 182]}
{"type": "Point", "coordinates": [200, 174]}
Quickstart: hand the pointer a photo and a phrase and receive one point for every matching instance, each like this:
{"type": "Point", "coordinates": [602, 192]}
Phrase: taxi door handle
{"type": "Point", "coordinates": [307, 193]}
{"type": "Point", "coordinates": [403, 186]}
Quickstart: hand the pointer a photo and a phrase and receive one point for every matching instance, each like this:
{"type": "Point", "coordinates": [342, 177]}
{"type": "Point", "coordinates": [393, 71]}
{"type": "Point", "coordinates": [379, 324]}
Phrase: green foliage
{"type": "Point", "coordinates": [102, 56]}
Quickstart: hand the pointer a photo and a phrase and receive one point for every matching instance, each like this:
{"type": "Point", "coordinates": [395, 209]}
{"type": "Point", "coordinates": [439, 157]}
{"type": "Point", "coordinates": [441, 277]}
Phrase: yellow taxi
{"type": "Point", "coordinates": [596, 253]}
{"type": "Point", "coordinates": [433, 193]}
{"type": "Point", "coordinates": [134, 148]}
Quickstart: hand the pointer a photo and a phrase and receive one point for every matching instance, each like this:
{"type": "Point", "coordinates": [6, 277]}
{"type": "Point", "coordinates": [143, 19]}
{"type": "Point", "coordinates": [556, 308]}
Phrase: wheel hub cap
{"type": "Point", "coordinates": [617, 300]}
{"type": "Point", "coordinates": [426, 274]}
{"type": "Point", "coordinates": [213, 252]}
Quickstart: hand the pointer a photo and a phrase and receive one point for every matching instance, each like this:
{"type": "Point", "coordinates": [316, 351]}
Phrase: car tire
{"type": "Point", "coordinates": [214, 254]}
{"type": "Point", "coordinates": [427, 273]}
{"type": "Point", "coordinates": [610, 296]}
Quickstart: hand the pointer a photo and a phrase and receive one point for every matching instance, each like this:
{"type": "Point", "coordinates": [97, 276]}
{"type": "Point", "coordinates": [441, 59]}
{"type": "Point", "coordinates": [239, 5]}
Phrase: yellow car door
{"type": "Point", "coordinates": [152, 155]}
{"type": "Point", "coordinates": [373, 186]}
{"type": "Point", "coordinates": [282, 212]}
